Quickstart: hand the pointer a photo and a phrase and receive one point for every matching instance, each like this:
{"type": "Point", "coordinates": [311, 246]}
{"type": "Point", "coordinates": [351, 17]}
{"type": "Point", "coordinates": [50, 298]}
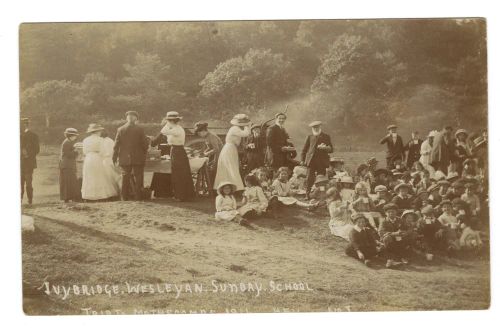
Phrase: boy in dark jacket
{"type": "Point", "coordinates": [362, 244]}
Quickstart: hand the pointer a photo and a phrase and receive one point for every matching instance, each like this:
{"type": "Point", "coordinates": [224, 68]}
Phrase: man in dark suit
{"type": "Point", "coordinates": [395, 147]}
{"type": "Point", "coordinates": [130, 150]}
{"type": "Point", "coordinates": [413, 148]}
{"type": "Point", "coordinates": [277, 143]}
{"type": "Point", "coordinates": [255, 149]}
{"type": "Point", "coordinates": [315, 153]}
{"type": "Point", "coordinates": [30, 147]}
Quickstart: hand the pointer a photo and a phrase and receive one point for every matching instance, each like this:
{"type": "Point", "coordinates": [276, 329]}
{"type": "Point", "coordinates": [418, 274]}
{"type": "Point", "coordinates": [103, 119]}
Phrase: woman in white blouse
{"type": "Point", "coordinates": [182, 182]}
{"type": "Point", "coordinates": [228, 165]}
{"type": "Point", "coordinates": [425, 152]}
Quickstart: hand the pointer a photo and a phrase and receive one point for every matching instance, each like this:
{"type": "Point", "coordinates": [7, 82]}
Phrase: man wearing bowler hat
{"type": "Point", "coordinates": [395, 147]}
{"type": "Point", "coordinates": [315, 153]}
{"type": "Point", "coordinates": [130, 150]}
{"type": "Point", "coordinates": [30, 147]}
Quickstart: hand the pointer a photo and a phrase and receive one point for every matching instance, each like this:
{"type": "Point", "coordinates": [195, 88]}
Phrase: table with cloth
{"type": "Point", "coordinates": [199, 171]}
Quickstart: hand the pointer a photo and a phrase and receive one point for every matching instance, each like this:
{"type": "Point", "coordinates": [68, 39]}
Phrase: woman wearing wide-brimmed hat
{"type": "Point", "coordinates": [228, 166]}
{"type": "Point", "coordinates": [182, 181]}
{"type": "Point", "coordinates": [96, 185]}
{"type": "Point", "coordinates": [69, 190]}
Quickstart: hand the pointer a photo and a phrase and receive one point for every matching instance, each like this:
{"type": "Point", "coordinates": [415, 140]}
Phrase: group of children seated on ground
{"type": "Point", "coordinates": [391, 214]}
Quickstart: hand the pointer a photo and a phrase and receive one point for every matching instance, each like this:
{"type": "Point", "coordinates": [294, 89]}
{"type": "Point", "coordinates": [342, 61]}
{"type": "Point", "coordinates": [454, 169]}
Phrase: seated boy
{"type": "Point", "coordinates": [362, 244]}
{"type": "Point", "coordinates": [391, 234]}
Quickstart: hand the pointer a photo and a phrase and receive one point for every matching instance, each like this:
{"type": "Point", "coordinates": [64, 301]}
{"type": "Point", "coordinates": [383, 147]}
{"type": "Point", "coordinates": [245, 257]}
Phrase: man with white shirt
{"type": "Point", "coordinates": [395, 147]}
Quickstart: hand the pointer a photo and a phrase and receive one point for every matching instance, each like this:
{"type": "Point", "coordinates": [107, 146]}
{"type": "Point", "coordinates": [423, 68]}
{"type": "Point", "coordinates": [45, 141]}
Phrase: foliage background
{"type": "Point", "coordinates": [354, 75]}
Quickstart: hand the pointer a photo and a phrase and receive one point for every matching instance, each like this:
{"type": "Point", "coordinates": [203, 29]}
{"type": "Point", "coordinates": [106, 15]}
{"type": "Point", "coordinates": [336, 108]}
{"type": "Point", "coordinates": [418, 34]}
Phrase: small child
{"type": "Point", "coordinates": [340, 222]}
{"type": "Point", "coordinates": [254, 201]}
{"type": "Point", "coordinates": [431, 232]}
{"type": "Point", "coordinates": [391, 235]}
{"type": "Point", "coordinates": [382, 198]}
{"type": "Point", "coordinates": [470, 240]}
{"type": "Point", "coordinates": [318, 191]}
{"type": "Point", "coordinates": [346, 189]}
{"type": "Point", "coordinates": [363, 203]}
{"type": "Point", "coordinates": [450, 222]}
{"type": "Point", "coordinates": [281, 189]}
{"type": "Point", "coordinates": [225, 204]}
{"type": "Point", "coordinates": [362, 244]}
{"type": "Point", "coordinates": [263, 177]}
{"type": "Point", "coordinates": [425, 181]}
{"type": "Point", "coordinates": [472, 199]}
{"type": "Point", "coordinates": [298, 180]}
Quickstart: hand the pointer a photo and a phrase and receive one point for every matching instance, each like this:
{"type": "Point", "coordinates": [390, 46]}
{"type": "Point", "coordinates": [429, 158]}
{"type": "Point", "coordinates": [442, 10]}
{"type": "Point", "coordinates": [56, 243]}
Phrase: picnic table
{"type": "Point", "coordinates": [199, 172]}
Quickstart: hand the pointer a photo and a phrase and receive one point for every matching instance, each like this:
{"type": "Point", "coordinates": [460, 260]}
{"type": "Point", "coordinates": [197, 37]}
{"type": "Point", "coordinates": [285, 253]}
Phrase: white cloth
{"type": "Point", "coordinates": [283, 191]}
{"type": "Point", "coordinates": [175, 134]}
{"type": "Point", "coordinates": [228, 165]}
{"type": "Point", "coordinates": [340, 223]}
{"type": "Point", "coordinates": [112, 172]}
{"type": "Point", "coordinates": [96, 184]}
{"type": "Point", "coordinates": [225, 207]}
{"type": "Point", "coordinates": [425, 156]}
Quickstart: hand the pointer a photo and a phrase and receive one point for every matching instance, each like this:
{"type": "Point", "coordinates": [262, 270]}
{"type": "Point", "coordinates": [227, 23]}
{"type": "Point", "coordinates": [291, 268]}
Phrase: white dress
{"type": "Point", "coordinates": [225, 207]}
{"type": "Point", "coordinates": [425, 156]}
{"type": "Point", "coordinates": [113, 174]}
{"type": "Point", "coordinates": [340, 223]}
{"type": "Point", "coordinates": [255, 200]}
{"type": "Point", "coordinates": [96, 184]}
{"type": "Point", "coordinates": [228, 165]}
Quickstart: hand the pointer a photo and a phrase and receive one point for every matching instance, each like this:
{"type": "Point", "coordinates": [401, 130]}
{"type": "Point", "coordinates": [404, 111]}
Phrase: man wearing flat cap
{"type": "Point", "coordinates": [315, 153]}
{"type": "Point", "coordinates": [277, 143]}
{"type": "Point", "coordinates": [130, 150]}
{"type": "Point", "coordinates": [395, 147]}
{"type": "Point", "coordinates": [30, 147]}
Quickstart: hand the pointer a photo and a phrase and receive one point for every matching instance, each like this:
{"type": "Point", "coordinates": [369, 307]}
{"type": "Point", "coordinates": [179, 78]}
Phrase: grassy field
{"type": "Point", "coordinates": [185, 261]}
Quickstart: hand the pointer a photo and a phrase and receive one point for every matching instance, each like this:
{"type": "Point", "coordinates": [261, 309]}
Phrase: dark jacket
{"type": "Point", "coordinates": [363, 240]}
{"type": "Point", "coordinates": [394, 149]}
{"type": "Point", "coordinates": [413, 152]}
{"type": "Point", "coordinates": [255, 156]}
{"type": "Point", "coordinates": [276, 138]}
{"type": "Point", "coordinates": [67, 159]}
{"type": "Point", "coordinates": [313, 157]}
{"type": "Point", "coordinates": [131, 145]}
{"type": "Point", "coordinates": [30, 147]}
{"type": "Point", "coordinates": [387, 226]}
{"type": "Point", "coordinates": [442, 151]}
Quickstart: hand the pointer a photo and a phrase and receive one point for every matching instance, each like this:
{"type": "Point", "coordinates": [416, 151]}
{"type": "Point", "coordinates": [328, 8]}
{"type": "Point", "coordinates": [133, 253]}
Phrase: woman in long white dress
{"type": "Point", "coordinates": [113, 174]}
{"type": "Point", "coordinates": [96, 184]}
{"type": "Point", "coordinates": [425, 152]}
{"type": "Point", "coordinates": [228, 165]}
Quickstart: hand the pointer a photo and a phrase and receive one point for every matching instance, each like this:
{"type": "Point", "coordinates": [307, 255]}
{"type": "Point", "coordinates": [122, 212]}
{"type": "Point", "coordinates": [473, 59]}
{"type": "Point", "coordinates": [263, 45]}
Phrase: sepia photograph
{"type": "Point", "coordinates": [261, 166]}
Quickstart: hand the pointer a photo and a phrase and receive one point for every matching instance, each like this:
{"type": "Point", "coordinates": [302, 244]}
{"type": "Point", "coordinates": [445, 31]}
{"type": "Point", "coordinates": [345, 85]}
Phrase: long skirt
{"type": "Point", "coordinates": [228, 167]}
{"type": "Point", "coordinates": [69, 188]}
{"type": "Point", "coordinates": [182, 181]}
{"type": "Point", "coordinates": [96, 184]}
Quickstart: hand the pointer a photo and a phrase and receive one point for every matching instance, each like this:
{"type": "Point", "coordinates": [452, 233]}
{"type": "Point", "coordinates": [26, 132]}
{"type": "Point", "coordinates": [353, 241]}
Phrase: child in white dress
{"type": "Point", "coordinates": [225, 204]}
{"type": "Point", "coordinates": [254, 200]}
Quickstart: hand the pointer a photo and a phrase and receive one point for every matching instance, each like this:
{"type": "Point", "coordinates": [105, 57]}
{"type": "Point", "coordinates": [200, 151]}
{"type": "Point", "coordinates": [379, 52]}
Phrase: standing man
{"type": "Point", "coordinates": [395, 147]}
{"type": "Point", "coordinates": [30, 147]}
{"type": "Point", "coordinates": [315, 153]}
{"type": "Point", "coordinates": [130, 150]}
{"type": "Point", "coordinates": [443, 150]}
{"type": "Point", "coordinates": [277, 143]}
{"type": "Point", "coordinates": [413, 148]}
{"type": "Point", "coordinates": [255, 149]}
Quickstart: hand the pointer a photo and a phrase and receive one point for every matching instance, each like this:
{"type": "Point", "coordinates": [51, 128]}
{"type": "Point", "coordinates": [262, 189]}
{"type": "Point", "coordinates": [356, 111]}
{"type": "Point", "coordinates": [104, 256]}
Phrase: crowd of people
{"type": "Point", "coordinates": [431, 197]}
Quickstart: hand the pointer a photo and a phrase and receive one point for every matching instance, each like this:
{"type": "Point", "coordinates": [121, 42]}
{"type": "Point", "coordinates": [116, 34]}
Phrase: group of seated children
{"type": "Point", "coordinates": [380, 212]}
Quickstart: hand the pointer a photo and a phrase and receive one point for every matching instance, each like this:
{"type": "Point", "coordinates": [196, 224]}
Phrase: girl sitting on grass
{"type": "Point", "coordinates": [225, 204]}
{"type": "Point", "coordinates": [254, 200]}
{"type": "Point", "coordinates": [340, 219]}
{"type": "Point", "coordinates": [281, 188]}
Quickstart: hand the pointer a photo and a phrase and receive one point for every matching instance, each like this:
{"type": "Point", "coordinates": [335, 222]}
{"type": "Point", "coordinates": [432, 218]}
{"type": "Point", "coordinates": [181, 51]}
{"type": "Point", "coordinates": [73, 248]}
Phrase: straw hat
{"type": "Point", "coordinates": [392, 126]}
{"type": "Point", "coordinates": [346, 179]}
{"type": "Point", "coordinates": [173, 115]}
{"type": "Point", "coordinates": [240, 120]}
{"type": "Point", "coordinates": [223, 184]}
{"type": "Point", "coordinates": [71, 131]}
{"type": "Point", "coordinates": [409, 212]}
{"type": "Point", "coordinates": [93, 127]}
{"type": "Point", "coordinates": [134, 113]}
{"type": "Point", "coordinates": [357, 215]}
{"type": "Point", "coordinates": [200, 126]}
{"type": "Point", "coordinates": [321, 178]}
{"type": "Point", "coordinates": [380, 188]}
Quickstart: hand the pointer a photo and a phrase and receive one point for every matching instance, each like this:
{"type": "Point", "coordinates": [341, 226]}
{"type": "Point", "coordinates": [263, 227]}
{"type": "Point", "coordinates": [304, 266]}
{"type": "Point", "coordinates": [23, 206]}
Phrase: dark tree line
{"type": "Point", "coordinates": [355, 75]}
